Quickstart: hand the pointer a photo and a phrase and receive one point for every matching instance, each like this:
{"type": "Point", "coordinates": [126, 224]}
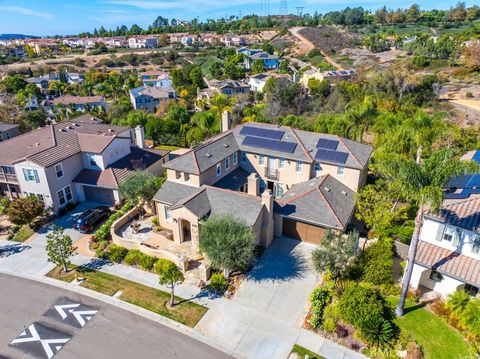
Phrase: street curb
{"type": "Point", "coordinates": [181, 328]}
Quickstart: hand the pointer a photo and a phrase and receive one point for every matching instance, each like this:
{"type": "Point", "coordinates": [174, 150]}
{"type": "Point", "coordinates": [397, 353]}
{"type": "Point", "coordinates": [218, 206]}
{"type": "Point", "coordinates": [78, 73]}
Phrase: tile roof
{"type": "Point", "coordinates": [4, 127]}
{"type": "Point", "coordinates": [449, 262]}
{"type": "Point", "coordinates": [121, 170]}
{"type": "Point", "coordinates": [196, 161]}
{"type": "Point", "coordinates": [463, 213]}
{"type": "Point", "coordinates": [53, 143]}
{"type": "Point", "coordinates": [153, 91]}
{"type": "Point", "coordinates": [216, 201]}
{"type": "Point", "coordinates": [77, 100]}
{"type": "Point", "coordinates": [172, 192]}
{"type": "Point", "coordinates": [323, 201]}
{"type": "Point", "coordinates": [233, 180]}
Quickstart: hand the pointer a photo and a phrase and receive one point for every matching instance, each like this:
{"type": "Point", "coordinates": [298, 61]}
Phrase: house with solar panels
{"type": "Point", "coordinates": [279, 180]}
{"type": "Point", "coordinates": [448, 252]}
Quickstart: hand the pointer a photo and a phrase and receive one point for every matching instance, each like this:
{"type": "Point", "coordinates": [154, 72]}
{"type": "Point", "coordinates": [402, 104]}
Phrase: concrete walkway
{"type": "Point", "coordinates": [263, 320]}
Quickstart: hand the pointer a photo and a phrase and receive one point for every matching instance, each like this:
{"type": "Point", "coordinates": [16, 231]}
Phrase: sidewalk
{"type": "Point", "coordinates": [242, 326]}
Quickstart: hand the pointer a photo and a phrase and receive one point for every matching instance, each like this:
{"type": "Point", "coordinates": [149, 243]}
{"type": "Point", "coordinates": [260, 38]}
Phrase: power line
{"type": "Point", "coordinates": [283, 8]}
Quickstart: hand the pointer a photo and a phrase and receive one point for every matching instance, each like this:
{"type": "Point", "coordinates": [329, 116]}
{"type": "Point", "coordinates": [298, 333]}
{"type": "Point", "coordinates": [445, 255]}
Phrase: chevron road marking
{"type": "Point", "coordinates": [61, 309]}
{"type": "Point", "coordinates": [79, 316]}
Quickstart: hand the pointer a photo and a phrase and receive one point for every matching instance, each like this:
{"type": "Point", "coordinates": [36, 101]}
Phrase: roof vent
{"type": "Point", "coordinates": [226, 145]}
{"type": "Point", "coordinates": [62, 130]}
{"type": "Point", "coordinates": [326, 189]}
{"type": "Point", "coordinates": [208, 155]}
{"type": "Point", "coordinates": [344, 193]}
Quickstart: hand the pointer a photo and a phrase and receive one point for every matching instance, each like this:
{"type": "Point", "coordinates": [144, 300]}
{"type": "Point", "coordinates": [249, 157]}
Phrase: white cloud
{"type": "Point", "coordinates": [26, 11]}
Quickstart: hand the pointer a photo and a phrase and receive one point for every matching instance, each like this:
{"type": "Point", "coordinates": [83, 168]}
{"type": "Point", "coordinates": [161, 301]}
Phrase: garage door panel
{"type": "Point", "coordinates": [302, 231]}
{"type": "Point", "coordinates": [100, 195]}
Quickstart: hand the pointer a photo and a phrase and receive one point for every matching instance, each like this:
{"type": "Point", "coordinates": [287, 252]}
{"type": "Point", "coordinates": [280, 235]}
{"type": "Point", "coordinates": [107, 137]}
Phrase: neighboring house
{"type": "Point", "coordinates": [258, 82]}
{"type": "Point", "coordinates": [8, 131]}
{"type": "Point", "coordinates": [74, 161]}
{"type": "Point", "coordinates": [448, 254]}
{"type": "Point", "coordinates": [156, 78]}
{"type": "Point", "coordinates": [270, 62]}
{"type": "Point", "coordinates": [32, 104]}
{"type": "Point", "coordinates": [188, 40]}
{"type": "Point", "coordinates": [233, 41]}
{"type": "Point", "coordinates": [278, 180]}
{"type": "Point", "coordinates": [149, 97]}
{"type": "Point", "coordinates": [139, 42]}
{"type": "Point", "coordinates": [116, 42]}
{"type": "Point", "coordinates": [43, 81]}
{"type": "Point", "coordinates": [332, 76]}
{"type": "Point", "coordinates": [231, 88]}
{"type": "Point", "coordinates": [79, 103]}
{"type": "Point", "coordinates": [74, 42]}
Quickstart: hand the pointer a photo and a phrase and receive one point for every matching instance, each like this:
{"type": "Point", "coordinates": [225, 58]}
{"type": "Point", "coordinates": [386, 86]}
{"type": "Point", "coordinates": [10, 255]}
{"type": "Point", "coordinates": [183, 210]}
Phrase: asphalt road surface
{"type": "Point", "coordinates": [82, 327]}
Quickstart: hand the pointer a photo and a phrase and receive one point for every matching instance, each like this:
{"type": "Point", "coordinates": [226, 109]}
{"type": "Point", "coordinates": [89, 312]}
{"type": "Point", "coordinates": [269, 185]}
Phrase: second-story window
{"type": "Point", "coordinates": [59, 170]}
{"type": "Point", "coordinates": [219, 169]}
{"type": "Point", "coordinates": [244, 157]}
{"type": "Point", "coordinates": [298, 167]}
{"type": "Point", "coordinates": [261, 160]}
{"type": "Point", "coordinates": [31, 175]}
{"type": "Point", "coordinates": [186, 176]}
{"type": "Point", "coordinates": [317, 167]}
{"type": "Point", "coordinates": [281, 163]}
{"type": "Point", "coordinates": [235, 159]}
{"type": "Point", "coordinates": [340, 171]}
{"type": "Point", "coordinates": [227, 163]}
{"type": "Point", "coordinates": [476, 244]}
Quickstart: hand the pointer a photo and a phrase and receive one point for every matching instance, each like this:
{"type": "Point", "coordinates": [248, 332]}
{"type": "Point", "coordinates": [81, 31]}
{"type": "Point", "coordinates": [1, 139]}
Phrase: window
{"type": "Point", "coordinates": [64, 195]}
{"type": "Point", "coordinates": [476, 244]}
{"type": "Point", "coordinates": [435, 276]}
{"type": "Point", "coordinates": [471, 290]}
{"type": "Point", "coordinates": [219, 169]}
{"type": "Point", "coordinates": [244, 157]}
{"type": "Point", "coordinates": [91, 159]}
{"type": "Point", "coordinates": [340, 171]}
{"type": "Point", "coordinates": [317, 167]}
{"type": "Point", "coordinates": [227, 163]}
{"type": "Point", "coordinates": [177, 174]}
{"type": "Point", "coordinates": [235, 159]}
{"type": "Point", "coordinates": [281, 163]}
{"type": "Point", "coordinates": [59, 170]}
{"type": "Point", "coordinates": [39, 196]}
{"type": "Point", "coordinates": [186, 176]}
{"type": "Point", "coordinates": [280, 191]}
{"type": "Point", "coordinates": [261, 160]}
{"type": "Point", "coordinates": [168, 213]}
{"type": "Point", "coordinates": [450, 234]}
{"type": "Point", "coordinates": [298, 167]}
{"type": "Point", "coordinates": [31, 175]}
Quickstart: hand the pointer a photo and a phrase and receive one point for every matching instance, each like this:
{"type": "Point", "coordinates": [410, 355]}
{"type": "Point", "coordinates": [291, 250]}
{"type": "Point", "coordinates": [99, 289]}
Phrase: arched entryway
{"type": "Point", "coordinates": [185, 230]}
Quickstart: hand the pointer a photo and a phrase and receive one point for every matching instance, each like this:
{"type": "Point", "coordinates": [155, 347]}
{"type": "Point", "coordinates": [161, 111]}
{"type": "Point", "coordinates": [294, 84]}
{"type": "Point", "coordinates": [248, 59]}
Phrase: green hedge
{"type": "Point", "coordinates": [103, 233]}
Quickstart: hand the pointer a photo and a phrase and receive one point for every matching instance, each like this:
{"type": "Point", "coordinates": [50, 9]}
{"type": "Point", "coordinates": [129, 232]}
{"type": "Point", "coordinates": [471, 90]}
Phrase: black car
{"type": "Point", "coordinates": [89, 219]}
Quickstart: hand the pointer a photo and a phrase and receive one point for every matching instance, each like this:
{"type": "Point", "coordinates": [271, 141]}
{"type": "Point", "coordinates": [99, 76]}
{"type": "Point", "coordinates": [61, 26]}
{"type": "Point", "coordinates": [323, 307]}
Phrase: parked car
{"type": "Point", "coordinates": [91, 218]}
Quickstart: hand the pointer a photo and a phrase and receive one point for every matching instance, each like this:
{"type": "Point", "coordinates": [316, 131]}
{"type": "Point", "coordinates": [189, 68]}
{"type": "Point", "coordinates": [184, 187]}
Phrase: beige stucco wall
{"type": "Point", "coordinates": [352, 178]}
{"type": "Point", "coordinates": [194, 180]}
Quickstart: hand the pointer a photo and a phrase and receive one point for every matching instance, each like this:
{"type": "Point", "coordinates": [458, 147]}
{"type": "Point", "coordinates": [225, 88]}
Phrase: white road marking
{"type": "Point", "coordinates": [61, 311]}
{"type": "Point", "coordinates": [88, 313]}
{"type": "Point", "coordinates": [44, 342]}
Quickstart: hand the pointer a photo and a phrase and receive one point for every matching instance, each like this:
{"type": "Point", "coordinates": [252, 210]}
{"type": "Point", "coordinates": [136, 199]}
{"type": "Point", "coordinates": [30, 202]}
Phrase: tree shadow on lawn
{"type": "Point", "coordinates": [413, 308]}
{"type": "Point", "coordinates": [94, 265]}
{"type": "Point", "coordinates": [11, 249]}
{"type": "Point", "coordinates": [283, 262]}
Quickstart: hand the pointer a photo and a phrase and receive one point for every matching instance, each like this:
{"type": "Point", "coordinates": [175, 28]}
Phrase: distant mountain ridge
{"type": "Point", "coordinates": [16, 36]}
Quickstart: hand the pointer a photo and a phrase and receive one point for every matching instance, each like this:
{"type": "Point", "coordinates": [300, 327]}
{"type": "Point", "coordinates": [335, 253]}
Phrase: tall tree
{"type": "Point", "coordinates": [24, 210]}
{"type": "Point", "coordinates": [422, 182]}
{"type": "Point", "coordinates": [170, 275]}
{"type": "Point", "coordinates": [140, 188]}
{"type": "Point", "coordinates": [59, 247]}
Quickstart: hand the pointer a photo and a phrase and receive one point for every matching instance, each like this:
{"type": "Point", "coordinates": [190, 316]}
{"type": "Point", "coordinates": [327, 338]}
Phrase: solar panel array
{"type": "Point", "coordinates": [269, 144]}
{"type": "Point", "coordinates": [327, 144]}
{"type": "Point", "coordinates": [465, 181]}
{"type": "Point", "coordinates": [262, 132]}
{"type": "Point", "coordinates": [331, 156]}
{"type": "Point", "coordinates": [476, 157]}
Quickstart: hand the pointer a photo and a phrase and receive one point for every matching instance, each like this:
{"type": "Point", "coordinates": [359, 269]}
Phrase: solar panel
{"type": "Point", "coordinates": [327, 144]}
{"type": "Point", "coordinates": [476, 157]}
{"type": "Point", "coordinates": [262, 132]}
{"type": "Point", "coordinates": [268, 144]}
{"type": "Point", "coordinates": [331, 156]}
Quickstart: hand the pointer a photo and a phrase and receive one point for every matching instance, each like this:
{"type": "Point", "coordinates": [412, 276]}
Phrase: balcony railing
{"type": "Point", "coordinates": [8, 178]}
{"type": "Point", "coordinates": [271, 173]}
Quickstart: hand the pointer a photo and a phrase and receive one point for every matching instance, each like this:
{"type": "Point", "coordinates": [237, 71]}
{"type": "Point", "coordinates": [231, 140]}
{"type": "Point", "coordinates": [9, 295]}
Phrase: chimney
{"type": "Point", "coordinates": [253, 184]}
{"type": "Point", "coordinates": [140, 136]}
{"type": "Point", "coordinates": [267, 200]}
{"type": "Point", "coordinates": [267, 225]}
{"type": "Point", "coordinates": [226, 121]}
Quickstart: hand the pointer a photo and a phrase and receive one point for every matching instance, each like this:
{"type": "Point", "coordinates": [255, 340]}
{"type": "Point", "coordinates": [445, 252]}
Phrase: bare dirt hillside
{"type": "Point", "coordinates": [329, 39]}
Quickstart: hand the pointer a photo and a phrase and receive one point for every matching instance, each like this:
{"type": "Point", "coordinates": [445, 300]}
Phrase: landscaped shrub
{"type": "Point", "coordinates": [374, 265]}
{"type": "Point", "coordinates": [133, 257]}
{"type": "Point", "coordinates": [147, 262]}
{"type": "Point", "coordinates": [4, 203]}
{"type": "Point", "coordinates": [103, 233]}
{"type": "Point", "coordinates": [320, 298]}
{"type": "Point", "coordinates": [360, 304]}
{"type": "Point", "coordinates": [377, 332]}
{"type": "Point", "coordinates": [218, 282]}
{"type": "Point", "coordinates": [160, 265]}
{"type": "Point", "coordinates": [116, 253]}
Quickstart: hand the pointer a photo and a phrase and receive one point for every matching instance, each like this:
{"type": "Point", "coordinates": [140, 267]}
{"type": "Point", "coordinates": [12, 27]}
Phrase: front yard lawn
{"type": "Point", "coordinates": [436, 338]}
{"type": "Point", "coordinates": [167, 147]}
{"type": "Point", "coordinates": [297, 349]}
{"type": "Point", "coordinates": [152, 299]}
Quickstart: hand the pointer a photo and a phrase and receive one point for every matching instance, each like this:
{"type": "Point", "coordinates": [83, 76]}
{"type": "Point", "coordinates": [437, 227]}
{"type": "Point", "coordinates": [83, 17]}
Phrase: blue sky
{"type": "Point", "coordinates": [50, 17]}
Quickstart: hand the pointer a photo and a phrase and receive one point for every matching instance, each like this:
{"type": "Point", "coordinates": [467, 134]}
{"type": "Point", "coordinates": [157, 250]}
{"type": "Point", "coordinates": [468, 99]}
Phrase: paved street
{"type": "Point", "coordinates": [109, 333]}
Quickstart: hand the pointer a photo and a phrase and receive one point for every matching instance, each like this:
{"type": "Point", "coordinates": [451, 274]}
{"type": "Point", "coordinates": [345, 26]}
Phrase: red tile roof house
{"type": "Point", "coordinates": [74, 161]}
{"type": "Point", "coordinates": [80, 103]}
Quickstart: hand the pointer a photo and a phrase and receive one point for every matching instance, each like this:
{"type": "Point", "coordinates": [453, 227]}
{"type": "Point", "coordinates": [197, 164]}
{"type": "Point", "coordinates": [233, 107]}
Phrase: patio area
{"type": "Point", "coordinates": [144, 232]}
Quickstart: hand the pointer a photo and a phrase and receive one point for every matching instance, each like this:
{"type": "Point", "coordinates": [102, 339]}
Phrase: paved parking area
{"type": "Point", "coordinates": [264, 318]}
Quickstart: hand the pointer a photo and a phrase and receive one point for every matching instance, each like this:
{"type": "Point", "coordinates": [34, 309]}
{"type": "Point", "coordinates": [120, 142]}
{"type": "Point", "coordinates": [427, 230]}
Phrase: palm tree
{"type": "Point", "coordinates": [422, 183]}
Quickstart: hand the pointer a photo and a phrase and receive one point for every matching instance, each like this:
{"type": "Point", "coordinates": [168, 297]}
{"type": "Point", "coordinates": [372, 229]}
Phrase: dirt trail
{"type": "Point", "coordinates": [309, 46]}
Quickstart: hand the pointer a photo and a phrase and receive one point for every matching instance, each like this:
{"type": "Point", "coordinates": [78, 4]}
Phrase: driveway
{"type": "Point", "coordinates": [264, 318]}
{"type": "Point", "coordinates": [33, 260]}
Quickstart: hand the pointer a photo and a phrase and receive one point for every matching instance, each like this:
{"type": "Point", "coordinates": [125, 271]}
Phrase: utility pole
{"type": "Point", "coordinates": [283, 8]}
{"type": "Point", "coordinates": [300, 11]}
